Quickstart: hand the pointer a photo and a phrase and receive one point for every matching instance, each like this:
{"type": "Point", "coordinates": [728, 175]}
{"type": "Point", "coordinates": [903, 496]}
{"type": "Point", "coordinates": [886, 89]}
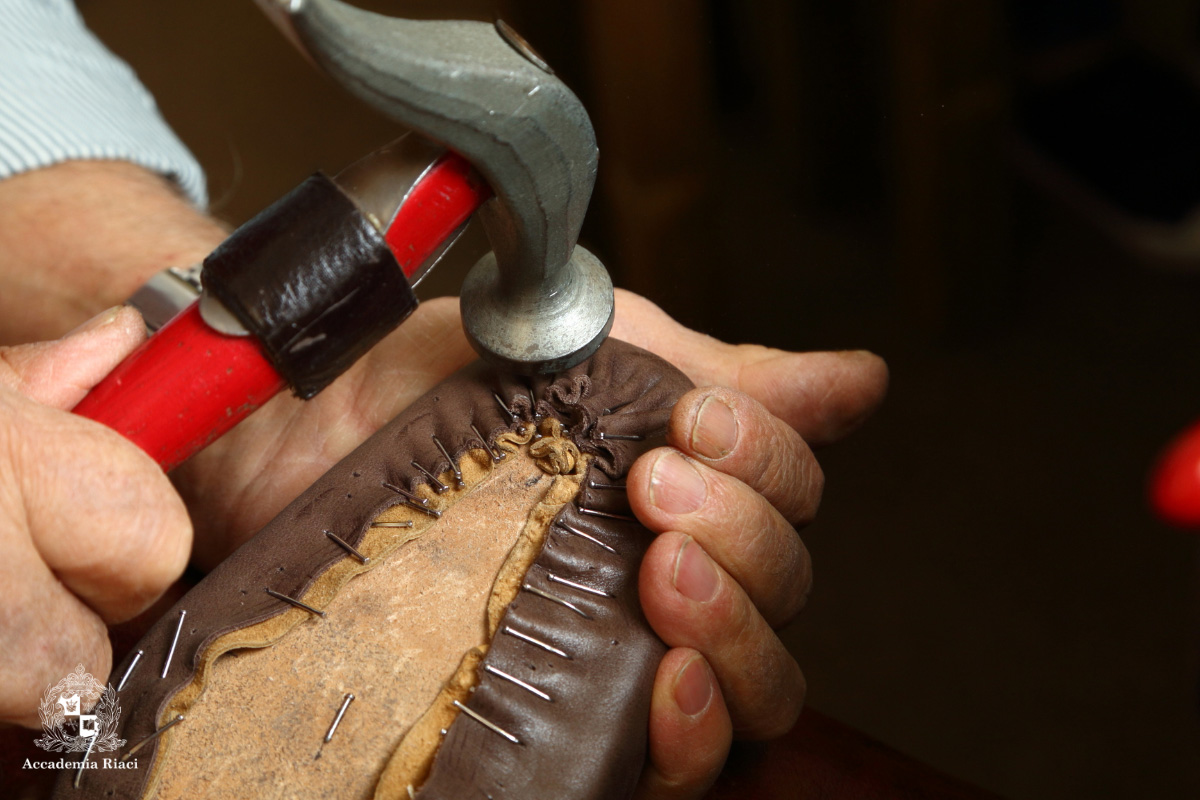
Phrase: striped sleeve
{"type": "Point", "coordinates": [64, 96]}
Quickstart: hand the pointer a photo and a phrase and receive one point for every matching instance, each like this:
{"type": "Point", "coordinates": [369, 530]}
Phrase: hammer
{"type": "Point", "coordinates": [297, 294]}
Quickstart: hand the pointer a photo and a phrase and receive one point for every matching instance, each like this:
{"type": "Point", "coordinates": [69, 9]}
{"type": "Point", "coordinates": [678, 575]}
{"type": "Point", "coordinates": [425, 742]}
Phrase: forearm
{"type": "Point", "coordinates": [81, 236]}
{"type": "Point", "coordinates": [80, 230]}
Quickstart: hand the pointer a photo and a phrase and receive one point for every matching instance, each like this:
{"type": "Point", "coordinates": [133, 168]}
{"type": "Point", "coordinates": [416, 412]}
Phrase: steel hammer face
{"type": "Point", "coordinates": [538, 303]}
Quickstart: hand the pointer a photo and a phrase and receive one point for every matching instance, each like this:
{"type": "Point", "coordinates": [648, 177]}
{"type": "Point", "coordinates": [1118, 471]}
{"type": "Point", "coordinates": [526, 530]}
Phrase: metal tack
{"type": "Point", "coordinates": [533, 405]}
{"type": "Point", "coordinates": [583, 535]}
{"type": "Point", "coordinates": [129, 669]}
{"type": "Point", "coordinates": [487, 723]}
{"type": "Point", "coordinates": [346, 701]}
{"type": "Point", "coordinates": [515, 680]}
{"type": "Point", "coordinates": [620, 487]}
{"type": "Point", "coordinates": [412, 498]}
{"type": "Point", "coordinates": [404, 524]}
{"type": "Point", "coordinates": [555, 599]}
{"type": "Point", "coordinates": [152, 737]}
{"type": "Point", "coordinates": [622, 437]}
{"type": "Point", "coordinates": [608, 515]}
{"type": "Point", "coordinates": [433, 512]}
{"type": "Point", "coordinates": [555, 579]}
{"type": "Point", "coordinates": [342, 543]}
{"type": "Point", "coordinates": [295, 602]}
{"type": "Point", "coordinates": [83, 763]}
{"type": "Point", "coordinates": [512, 415]}
{"type": "Point", "coordinates": [438, 486]}
{"type": "Point", "coordinates": [174, 641]}
{"type": "Point", "coordinates": [496, 456]}
{"type": "Point", "coordinates": [412, 501]}
{"type": "Point", "coordinates": [525, 637]}
{"type": "Point", "coordinates": [457, 472]}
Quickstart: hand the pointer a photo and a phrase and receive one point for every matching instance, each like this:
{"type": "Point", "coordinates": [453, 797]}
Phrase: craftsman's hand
{"type": "Point", "coordinates": [107, 227]}
{"type": "Point", "coordinates": [728, 566]}
{"type": "Point", "coordinates": [91, 530]}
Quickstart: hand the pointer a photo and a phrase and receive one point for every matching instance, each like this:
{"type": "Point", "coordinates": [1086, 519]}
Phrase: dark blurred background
{"type": "Point", "coordinates": [998, 197]}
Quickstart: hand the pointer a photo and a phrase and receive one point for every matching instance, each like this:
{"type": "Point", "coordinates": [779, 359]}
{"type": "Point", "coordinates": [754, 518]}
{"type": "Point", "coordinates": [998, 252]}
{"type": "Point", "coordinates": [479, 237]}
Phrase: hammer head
{"type": "Point", "coordinates": [537, 303]}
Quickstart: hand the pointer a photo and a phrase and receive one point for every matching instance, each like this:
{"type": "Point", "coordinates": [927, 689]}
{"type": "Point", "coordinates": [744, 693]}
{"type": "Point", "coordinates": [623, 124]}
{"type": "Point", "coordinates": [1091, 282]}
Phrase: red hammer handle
{"type": "Point", "coordinates": [1175, 483]}
{"type": "Point", "coordinates": [189, 384]}
{"type": "Point", "coordinates": [183, 389]}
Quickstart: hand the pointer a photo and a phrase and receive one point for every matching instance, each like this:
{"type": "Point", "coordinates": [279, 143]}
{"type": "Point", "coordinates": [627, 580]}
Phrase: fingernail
{"type": "Point", "coordinates": [716, 430]}
{"type": "Point", "coordinates": [98, 321]}
{"type": "Point", "coordinates": [696, 575]}
{"type": "Point", "coordinates": [675, 485]}
{"type": "Point", "coordinates": [693, 687]}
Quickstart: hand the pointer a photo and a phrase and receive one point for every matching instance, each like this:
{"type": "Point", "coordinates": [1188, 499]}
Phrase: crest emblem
{"type": "Point", "coordinates": [79, 714]}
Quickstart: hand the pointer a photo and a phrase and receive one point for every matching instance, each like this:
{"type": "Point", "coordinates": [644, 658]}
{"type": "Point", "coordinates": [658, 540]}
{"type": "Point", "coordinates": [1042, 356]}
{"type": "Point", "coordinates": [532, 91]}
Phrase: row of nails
{"type": "Point", "coordinates": [532, 640]}
{"type": "Point", "coordinates": [421, 504]}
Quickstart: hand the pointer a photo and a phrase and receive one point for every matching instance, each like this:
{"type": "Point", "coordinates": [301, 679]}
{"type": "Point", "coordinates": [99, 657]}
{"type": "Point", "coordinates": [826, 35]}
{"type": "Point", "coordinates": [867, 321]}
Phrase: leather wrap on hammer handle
{"type": "Point", "coordinates": [314, 281]}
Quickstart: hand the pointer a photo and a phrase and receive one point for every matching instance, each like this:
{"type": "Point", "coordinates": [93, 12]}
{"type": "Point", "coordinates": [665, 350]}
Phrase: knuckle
{"type": "Point", "coordinates": [762, 682]}
{"type": "Point", "coordinates": [781, 481]}
{"type": "Point", "coordinates": [151, 561]}
{"type": "Point", "coordinates": [761, 551]}
{"type": "Point", "coordinates": [746, 528]}
{"type": "Point", "coordinates": [794, 483]}
{"type": "Point", "coordinates": [790, 583]}
{"type": "Point", "coordinates": [776, 462]}
{"type": "Point", "coordinates": [138, 532]}
{"type": "Point", "coordinates": [775, 696]}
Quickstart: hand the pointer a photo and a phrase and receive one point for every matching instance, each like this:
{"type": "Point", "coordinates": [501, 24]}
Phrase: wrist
{"type": "Point", "coordinates": [79, 237]}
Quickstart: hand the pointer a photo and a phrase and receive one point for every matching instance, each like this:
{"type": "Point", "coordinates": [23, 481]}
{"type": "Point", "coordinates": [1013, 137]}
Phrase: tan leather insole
{"type": "Point", "coordinates": [392, 637]}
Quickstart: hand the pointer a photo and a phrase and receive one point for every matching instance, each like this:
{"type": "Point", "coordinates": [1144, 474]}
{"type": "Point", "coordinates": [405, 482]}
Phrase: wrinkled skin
{"type": "Point", "coordinates": [725, 495]}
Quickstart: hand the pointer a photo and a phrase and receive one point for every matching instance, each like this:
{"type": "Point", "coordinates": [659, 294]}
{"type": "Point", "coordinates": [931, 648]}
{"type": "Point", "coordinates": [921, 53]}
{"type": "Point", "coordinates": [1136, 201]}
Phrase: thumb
{"type": "Point", "coordinates": [98, 511]}
{"type": "Point", "coordinates": [91, 531]}
{"type": "Point", "coordinates": [59, 373]}
{"type": "Point", "coordinates": [823, 396]}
